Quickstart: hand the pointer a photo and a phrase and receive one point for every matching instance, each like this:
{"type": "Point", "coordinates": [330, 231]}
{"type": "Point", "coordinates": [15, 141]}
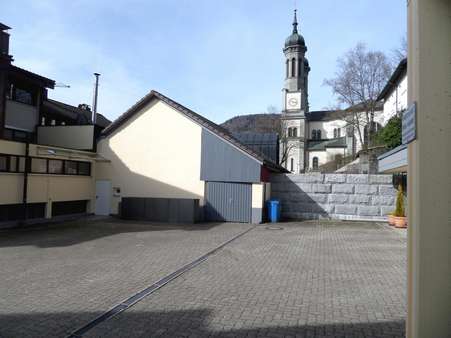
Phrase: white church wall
{"type": "Point", "coordinates": [324, 156]}
{"type": "Point", "coordinates": [327, 128]}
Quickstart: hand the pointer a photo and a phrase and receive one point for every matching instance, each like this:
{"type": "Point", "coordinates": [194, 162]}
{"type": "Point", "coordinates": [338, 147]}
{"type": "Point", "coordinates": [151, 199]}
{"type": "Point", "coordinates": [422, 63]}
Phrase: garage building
{"type": "Point", "coordinates": [168, 163]}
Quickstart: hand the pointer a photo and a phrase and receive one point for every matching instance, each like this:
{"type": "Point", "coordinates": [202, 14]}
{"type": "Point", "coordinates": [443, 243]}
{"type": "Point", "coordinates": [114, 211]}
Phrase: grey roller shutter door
{"type": "Point", "coordinates": [228, 202]}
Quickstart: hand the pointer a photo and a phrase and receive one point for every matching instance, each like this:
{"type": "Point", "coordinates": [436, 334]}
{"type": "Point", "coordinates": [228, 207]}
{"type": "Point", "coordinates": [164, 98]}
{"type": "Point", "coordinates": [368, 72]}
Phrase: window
{"type": "Point", "coordinates": [293, 67]}
{"type": "Point", "coordinates": [295, 132]}
{"type": "Point", "coordinates": [70, 168]}
{"type": "Point", "coordinates": [17, 135]}
{"type": "Point", "coordinates": [335, 133]}
{"type": "Point", "coordinates": [39, 165]}
{"type": "Point", "coordinates": [22, 95]}
{"type": "Point", "coordinates": [314, 134]}
{"type": "Point", "coordinates": [288, 68]}
{"type": "Point", "coordinates": [12, 163]}
{"type": "Point", "coordinates": [3, 163]}
{"type": "Point", "coordinates": [290, 132]}
{"type": "Point", "coordinates": [338, 132]}
{"type": "Point", "coordinates": [55, 166]}
{"type": "Point", "coordinates": [315, 163]}
{"type": "Point", "coordinates": [84, 168]}
{"type": "Point", "coordinates": [292, 164]}
{"type": "Point", "coordinates": [318, 134]}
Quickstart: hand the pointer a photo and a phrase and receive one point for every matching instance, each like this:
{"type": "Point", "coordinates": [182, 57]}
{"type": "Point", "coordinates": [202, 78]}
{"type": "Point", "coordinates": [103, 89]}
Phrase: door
{"type": "Point", "coordinates": [103, 197]}
{"type": "Point", "coordinates": [228, 202]}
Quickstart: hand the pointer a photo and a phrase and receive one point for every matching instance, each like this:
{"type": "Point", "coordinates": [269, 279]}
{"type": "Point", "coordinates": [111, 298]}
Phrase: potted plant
{"type": "Point", "coordinates": [399, 215]}
{"type": "Point", "coordinates": [391, 218]}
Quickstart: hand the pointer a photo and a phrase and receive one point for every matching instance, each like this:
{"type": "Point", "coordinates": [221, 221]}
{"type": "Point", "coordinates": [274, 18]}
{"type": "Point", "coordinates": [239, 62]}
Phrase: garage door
{"type": "Point", "coordinates": [228, 202]}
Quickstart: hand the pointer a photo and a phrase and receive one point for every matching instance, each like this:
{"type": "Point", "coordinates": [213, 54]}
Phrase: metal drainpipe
{"type": "Point", "coordinates": [25, 181]}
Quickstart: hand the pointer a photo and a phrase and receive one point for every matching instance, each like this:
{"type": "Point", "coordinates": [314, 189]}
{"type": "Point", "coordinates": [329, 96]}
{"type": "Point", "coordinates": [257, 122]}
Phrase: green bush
{"type": "Point", "coordinates": [400, 210]}
{"type": "Point", "coordinates": [391, 134]}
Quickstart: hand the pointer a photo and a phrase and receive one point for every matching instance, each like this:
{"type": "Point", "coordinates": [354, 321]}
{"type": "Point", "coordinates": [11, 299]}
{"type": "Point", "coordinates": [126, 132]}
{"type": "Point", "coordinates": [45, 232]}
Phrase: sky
{"type": "Point", "coordinates": [221, 58]}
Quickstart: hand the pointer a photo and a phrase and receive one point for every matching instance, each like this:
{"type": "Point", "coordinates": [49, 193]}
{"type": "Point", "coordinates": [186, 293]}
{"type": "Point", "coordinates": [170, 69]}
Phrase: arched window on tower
{"type": "Point", "coordinates": [290, 132]}
{"type": "Point", "coordinates": [292, 164]}
{"type": "Point", "coordinates": [315, 163]}
{"type": "Point", "coordinates": [338, 132]}
{"type": "Point", "coordinates": [288, 68]}
{"type": "Point", "coordinates": [335, 133]}
{"type": "Point", "coordinates": [318, 134]}
{"type": "Point", "coordinates": [293, 67]}
{"type": "Point", "coordinates": [299, 67]}
{"type": "Point", "coordinates": [314, 134]}
{"type": "Point", "coordinates": [295, 132]}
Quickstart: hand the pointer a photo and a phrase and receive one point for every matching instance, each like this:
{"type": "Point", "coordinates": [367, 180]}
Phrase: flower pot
{"type": "Point", "coordinates": [391, 220]}
{"type": "Point", "coordinates": [400, 222]}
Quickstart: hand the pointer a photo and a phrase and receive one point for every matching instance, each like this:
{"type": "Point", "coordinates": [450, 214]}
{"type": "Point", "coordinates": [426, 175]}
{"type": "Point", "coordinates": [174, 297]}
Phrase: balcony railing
{"type": "Point", "coordinates": [73, 137]}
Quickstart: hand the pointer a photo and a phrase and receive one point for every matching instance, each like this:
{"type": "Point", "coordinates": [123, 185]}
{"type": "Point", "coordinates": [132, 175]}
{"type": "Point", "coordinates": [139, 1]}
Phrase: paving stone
{"type": "Point", "coordinates": [312, 279]}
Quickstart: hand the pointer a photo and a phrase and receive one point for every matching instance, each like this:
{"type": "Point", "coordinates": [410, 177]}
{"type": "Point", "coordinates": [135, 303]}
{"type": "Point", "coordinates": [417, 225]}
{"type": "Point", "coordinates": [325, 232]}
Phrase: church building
{"type": "Point", "coordinates": [310, 139]}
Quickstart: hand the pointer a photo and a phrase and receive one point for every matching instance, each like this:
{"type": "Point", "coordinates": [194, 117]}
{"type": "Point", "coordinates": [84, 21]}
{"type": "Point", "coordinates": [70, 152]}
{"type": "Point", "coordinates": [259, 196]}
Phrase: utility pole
{"type": "Point", "coordinates": [94, 104]}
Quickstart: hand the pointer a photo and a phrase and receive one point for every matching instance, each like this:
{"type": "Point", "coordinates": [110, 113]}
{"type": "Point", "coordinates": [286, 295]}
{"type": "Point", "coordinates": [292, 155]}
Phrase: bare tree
{"type": "Point", "coordinates": [361, 76]}
{"type": "Point", "coordinates": [399, 53]}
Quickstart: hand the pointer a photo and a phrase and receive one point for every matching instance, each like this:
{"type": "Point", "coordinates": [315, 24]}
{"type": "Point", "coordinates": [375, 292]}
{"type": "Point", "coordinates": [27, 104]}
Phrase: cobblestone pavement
{"type": "Point", "coordinates": [56, 278]}
{"type": "Point", "coordinates": [307, 280]}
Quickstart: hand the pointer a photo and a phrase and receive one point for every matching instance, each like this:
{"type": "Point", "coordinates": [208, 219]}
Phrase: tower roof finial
{"type": "Point", "coordinates": [295, 23]}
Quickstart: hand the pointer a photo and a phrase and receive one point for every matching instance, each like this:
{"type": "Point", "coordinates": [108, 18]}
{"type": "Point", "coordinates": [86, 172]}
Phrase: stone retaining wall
{"type": "Point", "coordinates": [335, 196]}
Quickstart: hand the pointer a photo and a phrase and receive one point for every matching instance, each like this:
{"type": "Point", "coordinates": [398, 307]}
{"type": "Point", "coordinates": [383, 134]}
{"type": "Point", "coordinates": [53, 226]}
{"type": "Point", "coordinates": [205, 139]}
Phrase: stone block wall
{"type": "Point", "coordinates": [334, 196]}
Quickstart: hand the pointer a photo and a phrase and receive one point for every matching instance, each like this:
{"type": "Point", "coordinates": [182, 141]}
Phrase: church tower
{"type": "Point", "coordinates": [295, 102]}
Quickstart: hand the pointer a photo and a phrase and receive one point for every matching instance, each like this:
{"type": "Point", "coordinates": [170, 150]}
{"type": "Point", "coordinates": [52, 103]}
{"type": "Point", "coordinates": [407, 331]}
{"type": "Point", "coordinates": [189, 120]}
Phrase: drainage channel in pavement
{"type": "Point", "coordinates": [129, 302]}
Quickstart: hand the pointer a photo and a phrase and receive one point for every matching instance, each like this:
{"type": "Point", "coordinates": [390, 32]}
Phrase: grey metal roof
{"type": "Point", "coordinates": [324, 144]}
{"type": "Point", "coordinates": [204, 122]}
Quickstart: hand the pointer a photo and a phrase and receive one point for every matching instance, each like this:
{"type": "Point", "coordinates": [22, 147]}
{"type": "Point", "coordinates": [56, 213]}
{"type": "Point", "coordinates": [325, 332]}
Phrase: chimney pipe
{"type": "Point", "coordinates": [94, 103]}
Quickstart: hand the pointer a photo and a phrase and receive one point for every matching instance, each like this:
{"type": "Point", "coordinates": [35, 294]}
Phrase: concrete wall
{"type": "Point", "coordinates": [157, 153]}
{"type": "Point", "coordinates": [336, 196]}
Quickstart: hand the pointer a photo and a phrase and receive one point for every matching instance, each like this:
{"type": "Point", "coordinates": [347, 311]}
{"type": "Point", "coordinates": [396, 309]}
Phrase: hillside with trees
{"type": "Point", "coordinates": [258, 123]}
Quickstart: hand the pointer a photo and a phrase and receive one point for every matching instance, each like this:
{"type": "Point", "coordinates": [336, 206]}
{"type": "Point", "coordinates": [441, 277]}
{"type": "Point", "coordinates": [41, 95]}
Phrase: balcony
{"type": "Point", "coordinates": [72, 137]}
{"type": "Point", "coordinates": [20, 116]}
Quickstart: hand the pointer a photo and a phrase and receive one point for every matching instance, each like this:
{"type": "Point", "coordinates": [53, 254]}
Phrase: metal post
{"type": "Point", "coordinates": [94, 104]}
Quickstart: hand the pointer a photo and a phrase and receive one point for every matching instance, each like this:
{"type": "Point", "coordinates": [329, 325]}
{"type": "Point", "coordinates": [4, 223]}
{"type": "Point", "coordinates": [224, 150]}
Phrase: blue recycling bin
{"type": "Point", "coordinates": [274, 211]}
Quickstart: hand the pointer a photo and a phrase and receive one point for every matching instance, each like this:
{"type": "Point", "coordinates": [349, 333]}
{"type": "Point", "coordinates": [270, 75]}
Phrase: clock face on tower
{"type": "Point", "coordinates": [293, 101]}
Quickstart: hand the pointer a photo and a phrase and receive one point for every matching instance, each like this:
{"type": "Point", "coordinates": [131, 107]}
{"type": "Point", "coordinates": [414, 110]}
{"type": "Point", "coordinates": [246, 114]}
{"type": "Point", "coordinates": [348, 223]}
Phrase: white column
{"type": "Point", "coordinates": [429, 185]}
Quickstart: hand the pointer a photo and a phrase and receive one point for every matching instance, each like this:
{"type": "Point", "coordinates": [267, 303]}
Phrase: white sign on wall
{"type": "Point", "coordinates": [293, 101]}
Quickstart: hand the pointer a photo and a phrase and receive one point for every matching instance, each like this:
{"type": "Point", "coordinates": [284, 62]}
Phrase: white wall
{"type": "Point", "coordinates": [324, 156]}
{"type": "Point", "coordinates": [157, 153]}
{"type": "Point", "coordinates": [396, 101]}
{"type": "Point", "coordinates": [327, 128]}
